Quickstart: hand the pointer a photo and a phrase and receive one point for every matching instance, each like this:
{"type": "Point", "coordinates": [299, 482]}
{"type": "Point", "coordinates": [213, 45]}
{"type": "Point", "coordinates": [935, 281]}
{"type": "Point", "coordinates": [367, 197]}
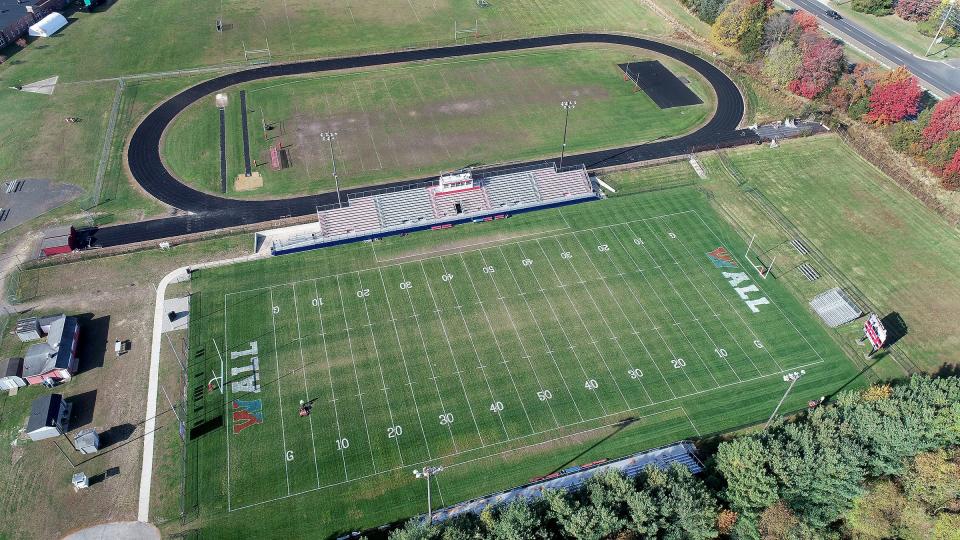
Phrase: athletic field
{"type": "Point", "coordinates": [503, 351]}
{"type": "Point", "coordinates": [415, 119]}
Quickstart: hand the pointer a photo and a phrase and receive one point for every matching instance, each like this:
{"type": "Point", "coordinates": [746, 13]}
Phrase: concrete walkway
{"type": "Point", "coordinates": [121, 530]}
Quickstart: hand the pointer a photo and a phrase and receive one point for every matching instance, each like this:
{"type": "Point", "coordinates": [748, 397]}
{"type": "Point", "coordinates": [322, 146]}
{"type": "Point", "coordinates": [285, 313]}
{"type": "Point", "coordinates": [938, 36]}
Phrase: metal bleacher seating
{"type": "Point", "coordinates": [554, 185]}
{"type": "Point", "coordinates": [511, 189]}
{"type": "Point", "coordinates": [404, 207]}
{"type": "Point", "coordinates": [360, 216]}
{"type": "Point", "coordinates": [471, 201]}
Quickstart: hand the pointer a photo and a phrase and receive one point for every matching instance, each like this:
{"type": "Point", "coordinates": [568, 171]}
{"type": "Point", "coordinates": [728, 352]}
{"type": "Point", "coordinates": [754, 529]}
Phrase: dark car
{"type": "Point", "coordinates": [833, 15]}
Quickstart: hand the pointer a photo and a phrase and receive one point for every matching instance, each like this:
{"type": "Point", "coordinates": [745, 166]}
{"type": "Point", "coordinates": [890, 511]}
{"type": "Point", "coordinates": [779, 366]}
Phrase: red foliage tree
{"type": "Point", "coordinates": [915, 10]}
{"type": "Point", "coordinates": [805, 21]}
{"type": "Point", "coordinates": [894, 97]}
{"type": "Point", "coordinates": [944, 121]}
{"type": "Point", "coordinates": [821, 65]}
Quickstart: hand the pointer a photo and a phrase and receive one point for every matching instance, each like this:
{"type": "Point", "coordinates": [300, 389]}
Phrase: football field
{"type": "Point", "coordinates": [564, 325]}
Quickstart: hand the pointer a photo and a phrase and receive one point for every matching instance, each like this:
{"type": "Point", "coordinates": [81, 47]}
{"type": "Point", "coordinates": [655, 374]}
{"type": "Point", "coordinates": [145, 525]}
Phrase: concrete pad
{"type": "Point", "coordinates": [46, 86]}
{"type": "Point", "coordinates": [117, 531]}
{"type": "Point", "coordinates": [182, 307]}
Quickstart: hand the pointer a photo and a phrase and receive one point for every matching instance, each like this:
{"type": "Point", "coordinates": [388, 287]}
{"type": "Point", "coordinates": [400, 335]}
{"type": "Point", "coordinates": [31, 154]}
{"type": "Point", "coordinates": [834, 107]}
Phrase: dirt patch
{"type": "Point", "coordinates": [248, 183]}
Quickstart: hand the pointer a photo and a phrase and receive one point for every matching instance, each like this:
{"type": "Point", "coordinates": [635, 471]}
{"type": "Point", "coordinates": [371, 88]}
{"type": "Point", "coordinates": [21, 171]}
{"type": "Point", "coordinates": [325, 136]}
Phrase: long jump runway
{"type": "Point", "coordinates": [206, 212]}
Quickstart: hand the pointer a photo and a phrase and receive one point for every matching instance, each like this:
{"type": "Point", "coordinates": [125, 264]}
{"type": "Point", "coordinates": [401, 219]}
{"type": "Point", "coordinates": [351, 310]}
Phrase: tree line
{"type": "Point", "coordinates": [789, 51]}
{"type": "Point", "coordinates": [882, 462]}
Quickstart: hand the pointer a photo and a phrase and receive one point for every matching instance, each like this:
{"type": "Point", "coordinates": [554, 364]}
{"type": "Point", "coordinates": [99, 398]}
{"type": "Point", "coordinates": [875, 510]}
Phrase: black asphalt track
{"type": "Point", "coordinates": [206, 212]}
{"type": "Point", "coordinates": [660, 84]}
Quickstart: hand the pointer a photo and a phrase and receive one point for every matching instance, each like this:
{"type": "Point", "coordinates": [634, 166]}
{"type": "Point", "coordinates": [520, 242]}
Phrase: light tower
{"type": "Point", "coordinates": [330, 136]}
{"type": "Point", "coordinates": [567, 105]}
{"type": "Point", "coordinates": [427, 473]}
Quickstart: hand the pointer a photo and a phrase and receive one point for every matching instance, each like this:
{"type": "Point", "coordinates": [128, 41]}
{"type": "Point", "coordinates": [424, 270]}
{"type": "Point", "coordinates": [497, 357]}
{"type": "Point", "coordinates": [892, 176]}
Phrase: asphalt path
{"type": "Point", "coordinates": [207, 212]}
{"type": "Point", "coordinates": [944, 77]}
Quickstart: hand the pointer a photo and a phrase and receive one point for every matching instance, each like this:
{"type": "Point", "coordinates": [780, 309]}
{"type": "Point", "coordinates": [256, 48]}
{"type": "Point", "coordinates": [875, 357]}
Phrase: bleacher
{"type": "Point", "coordinates": [471, 201]}
{"type": "Point", "coordinates": [435, 205]}
{"type": "Point", "coordinates": [512, 189]}
{"type": "Point", "coordinates": [404, 207]}
{"type": "Point", "coordinates": [556, 185]}
{"type": "Point", "coordinates": [360, 217]}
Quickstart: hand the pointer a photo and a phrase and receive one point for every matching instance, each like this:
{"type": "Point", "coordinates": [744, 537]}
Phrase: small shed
{"type": "Point", "coordinates": [29, 329]}
{"type": "Point", "coordinates": [55, 360]}
{"type": "Point", "coordinates": [11, 374]}
{"type": "Point", "coordinates": [48, 26]}
{"type": "Point", "coordinates": [58, 240]}
{"type": "Point", "coordinates": [87, 441]}
{"type": "Point", "coordinates": [49, 417]}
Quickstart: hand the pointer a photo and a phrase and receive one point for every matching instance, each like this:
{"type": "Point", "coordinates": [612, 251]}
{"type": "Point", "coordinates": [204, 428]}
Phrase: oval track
{"type": "Point", "coordinates": [209, 212]}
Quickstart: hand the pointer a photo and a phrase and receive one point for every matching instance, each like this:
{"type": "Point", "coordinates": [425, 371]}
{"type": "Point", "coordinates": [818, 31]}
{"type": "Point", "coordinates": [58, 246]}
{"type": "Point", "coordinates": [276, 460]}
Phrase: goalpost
{"type": "Point", "coordinates": [218, 380]}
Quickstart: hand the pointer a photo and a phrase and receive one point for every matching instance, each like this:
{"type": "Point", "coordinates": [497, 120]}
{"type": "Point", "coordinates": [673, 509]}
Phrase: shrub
{"type": "Point", "coordinates": [873, 7]}
{"type": "Point", "coordinates": [915, 10]}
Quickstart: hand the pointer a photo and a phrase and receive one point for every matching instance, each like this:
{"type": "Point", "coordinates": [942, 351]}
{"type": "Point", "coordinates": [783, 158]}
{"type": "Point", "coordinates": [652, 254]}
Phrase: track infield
{"type": "Point", "coordinates": [532, 343]}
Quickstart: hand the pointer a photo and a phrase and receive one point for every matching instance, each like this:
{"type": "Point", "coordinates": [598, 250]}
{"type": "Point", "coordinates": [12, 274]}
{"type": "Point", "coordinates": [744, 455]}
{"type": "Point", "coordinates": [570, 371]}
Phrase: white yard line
{"type": "Point", "coordinates": [453, 355]}
{"type": "Point", "coordinates": [543, 337]}
{"type": "Point", "coordinates": [306, 390]}
{"type": "Point", "coordinates": [276, 355]}
{"type": "Point", "coordinates": [333, 394]}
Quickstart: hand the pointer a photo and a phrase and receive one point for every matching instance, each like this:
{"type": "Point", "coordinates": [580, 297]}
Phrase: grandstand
{"type": "Point", "coordinates": [455, 198]}
{"type": "Point", "coordinates": [683, 453]}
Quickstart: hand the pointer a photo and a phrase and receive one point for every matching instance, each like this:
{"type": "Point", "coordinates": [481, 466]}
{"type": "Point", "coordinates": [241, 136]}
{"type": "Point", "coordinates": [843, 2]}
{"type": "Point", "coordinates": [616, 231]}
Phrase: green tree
{"type": "Point", "coordinates": [873, 7]}
{"type": "Point", "coordinates": [906, 137]}
{"type": "Point", "coordinates": [686, 508]}
{"type": "Point", "coordinates": [518, 520]}
{"type": "Point", "coordinates": [750, 487]}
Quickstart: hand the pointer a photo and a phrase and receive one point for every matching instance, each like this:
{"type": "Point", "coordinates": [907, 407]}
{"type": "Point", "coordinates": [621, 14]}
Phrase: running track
{"type": "Point", "coordinates": [206, 212]}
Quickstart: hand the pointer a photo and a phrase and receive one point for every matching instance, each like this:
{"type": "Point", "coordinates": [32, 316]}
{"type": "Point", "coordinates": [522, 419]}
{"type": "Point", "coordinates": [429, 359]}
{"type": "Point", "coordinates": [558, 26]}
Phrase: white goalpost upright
{"type": "Point", "coordinates": [218, 380]}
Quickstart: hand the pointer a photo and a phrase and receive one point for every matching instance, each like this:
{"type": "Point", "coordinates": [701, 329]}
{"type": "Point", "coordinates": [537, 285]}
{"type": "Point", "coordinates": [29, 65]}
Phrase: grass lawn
{"type": "Point", "coordinates": [417, 119]}
{"type": "Point", "coordinates": [898, 31]}
{"type": "Point", "coordinates": [527, 344]}
{"type": "Point", "coordinates": [901, 256]}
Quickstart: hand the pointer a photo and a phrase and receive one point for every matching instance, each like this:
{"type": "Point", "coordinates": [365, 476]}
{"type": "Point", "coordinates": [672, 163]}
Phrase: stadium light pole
{"type": "Point", "coordinates": [329, 136]}
{"type": "Point", "coordinates": [792, 378]}
{"type": "Point", "coordinates": [567, 105]}
{"type": "Point", "coordinates": [427, 473]}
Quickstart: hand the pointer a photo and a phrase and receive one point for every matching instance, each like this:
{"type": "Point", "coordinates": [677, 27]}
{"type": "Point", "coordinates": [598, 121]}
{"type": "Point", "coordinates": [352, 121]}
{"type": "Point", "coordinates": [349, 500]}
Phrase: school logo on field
{"type": "Point", "coordinates": [246, 414]}
{"type": "Point", "coordinates": [721, 258]}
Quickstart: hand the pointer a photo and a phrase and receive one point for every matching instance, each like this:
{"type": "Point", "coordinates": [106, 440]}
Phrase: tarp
{"type": "Point", "coordinates": [48, 25]}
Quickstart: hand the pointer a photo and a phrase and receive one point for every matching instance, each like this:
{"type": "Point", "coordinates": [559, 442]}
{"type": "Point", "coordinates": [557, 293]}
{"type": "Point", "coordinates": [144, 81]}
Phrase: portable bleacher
{"type": "Point", "coordinates": [554, 185]}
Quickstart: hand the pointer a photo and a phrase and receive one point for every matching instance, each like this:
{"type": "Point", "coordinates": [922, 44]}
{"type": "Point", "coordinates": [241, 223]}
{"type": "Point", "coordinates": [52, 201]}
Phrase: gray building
{"type": "Point", "coordinates": [49, 417]}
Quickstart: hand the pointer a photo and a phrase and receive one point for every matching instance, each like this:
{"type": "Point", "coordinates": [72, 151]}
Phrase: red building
{"type": "Point", "coordinates": [54, 360]}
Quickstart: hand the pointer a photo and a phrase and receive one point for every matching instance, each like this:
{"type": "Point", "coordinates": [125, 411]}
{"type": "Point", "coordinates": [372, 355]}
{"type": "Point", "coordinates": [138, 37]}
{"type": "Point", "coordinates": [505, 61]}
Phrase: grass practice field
{"type": "Point", "coordinates": [523, 346]}
{"type": "Point", "coordinates": [417, 119]}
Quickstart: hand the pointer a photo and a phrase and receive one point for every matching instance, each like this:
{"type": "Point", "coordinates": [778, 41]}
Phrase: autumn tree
{"type": "Point", "coordinates": [806, 22]}
{"type": "Point", "coordinates": [782, 63]}
{"type": "Point", "coordinates": [944, 120]}
{"type": "Point", "coordinates": [821, 64]}
{"type": "Point", "coordinates": [740, 25]}
{"type": "Point", "coordinates": [915, 10]}
{"type": "Point", "coordinates": [950, 179]}
{"type": "Point", "coordinates": [895, 97]}
{"type": "Point", "coordinates": [778, 28]}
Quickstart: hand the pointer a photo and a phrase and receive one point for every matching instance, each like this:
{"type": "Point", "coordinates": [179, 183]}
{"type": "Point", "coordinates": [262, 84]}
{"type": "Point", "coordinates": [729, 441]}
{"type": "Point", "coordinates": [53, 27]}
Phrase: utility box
{"type": "Point", "coordinates": [80, 481]}
{"type": "Point", "coordinates": [87, 441]}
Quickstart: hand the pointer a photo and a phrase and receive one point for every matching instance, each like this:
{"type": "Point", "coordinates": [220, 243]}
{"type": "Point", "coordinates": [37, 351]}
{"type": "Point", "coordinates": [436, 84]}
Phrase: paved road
{"type": "Point", "coordinates": [206, 212]}
{"type": "Point", "coordinates": [939, 77]}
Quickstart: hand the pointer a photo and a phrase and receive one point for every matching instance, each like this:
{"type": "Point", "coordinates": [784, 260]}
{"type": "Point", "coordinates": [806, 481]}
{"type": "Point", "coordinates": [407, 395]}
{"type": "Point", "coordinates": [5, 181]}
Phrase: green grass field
{"type": "Point", "coordinates": [526, 344]}
{"type": "Point", "coordinates": [416, 119]}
